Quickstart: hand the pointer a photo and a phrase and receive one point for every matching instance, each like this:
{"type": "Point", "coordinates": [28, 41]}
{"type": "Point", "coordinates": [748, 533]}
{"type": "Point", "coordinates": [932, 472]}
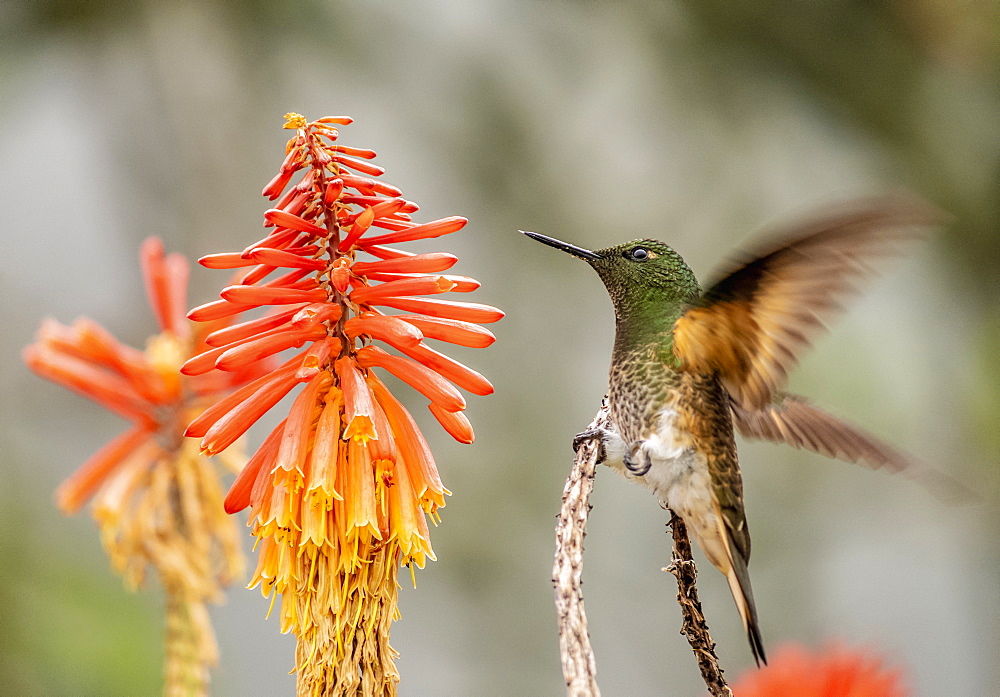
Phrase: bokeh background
{"type": "Point", "coordinates": [694, 121]}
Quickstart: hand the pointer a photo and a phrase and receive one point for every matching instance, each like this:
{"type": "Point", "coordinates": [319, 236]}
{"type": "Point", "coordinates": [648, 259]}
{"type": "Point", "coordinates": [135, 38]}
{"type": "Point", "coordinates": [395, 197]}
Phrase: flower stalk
{"type": "Point", "coordinates": [341, 489]}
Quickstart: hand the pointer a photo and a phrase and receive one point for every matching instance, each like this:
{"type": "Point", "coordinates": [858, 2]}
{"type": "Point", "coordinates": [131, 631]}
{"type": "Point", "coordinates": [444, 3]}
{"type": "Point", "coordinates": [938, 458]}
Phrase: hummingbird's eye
{"type": "Point", "coordinates": [639, 254]}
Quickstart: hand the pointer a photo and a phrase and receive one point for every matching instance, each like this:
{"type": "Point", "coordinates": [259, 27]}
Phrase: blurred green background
{"type": "Point", "coordinates": [692, 121]}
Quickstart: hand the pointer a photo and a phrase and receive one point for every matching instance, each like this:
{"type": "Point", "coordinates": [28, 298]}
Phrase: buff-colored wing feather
{"type": "Point", "coordinates": [793, 420]}
{"type": "Point", "coordinates": [751, 326]}
{"type": "Point", "coordinates": [796, 422]}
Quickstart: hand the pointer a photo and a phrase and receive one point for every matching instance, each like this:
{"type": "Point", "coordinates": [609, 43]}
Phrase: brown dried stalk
{"type": "Point", "coordinates": [579, 666]}
{"type": "Point", "coordinates": [578, 663]}
{"type": "Point", "coordinates": [693, 627]}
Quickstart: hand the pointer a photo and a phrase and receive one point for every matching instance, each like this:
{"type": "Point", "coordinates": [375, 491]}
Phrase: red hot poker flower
{"type": "Point", "coordinates": [836, 671]}
{"type": "Point", "coordinates": [340, 489]}
{"type": "Point", "coordinates": [156, 499]}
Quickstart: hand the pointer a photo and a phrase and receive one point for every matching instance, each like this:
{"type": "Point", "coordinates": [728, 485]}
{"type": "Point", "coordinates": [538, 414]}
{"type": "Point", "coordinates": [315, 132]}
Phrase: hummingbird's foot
{"type": "Point", "coordinates": [630, 463]}
{"type": "Point", "coordinates": [597, 434]}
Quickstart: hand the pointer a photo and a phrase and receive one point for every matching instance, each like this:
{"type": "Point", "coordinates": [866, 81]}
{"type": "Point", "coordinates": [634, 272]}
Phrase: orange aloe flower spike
{"type": "Point", "coordinates": [149, 476]}
{"type": "Point", "coordinates": [340, 491]}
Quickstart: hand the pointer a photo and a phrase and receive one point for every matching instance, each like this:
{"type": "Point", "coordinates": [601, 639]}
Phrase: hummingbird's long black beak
{"type": "Point", "coordinates": [585, 254]}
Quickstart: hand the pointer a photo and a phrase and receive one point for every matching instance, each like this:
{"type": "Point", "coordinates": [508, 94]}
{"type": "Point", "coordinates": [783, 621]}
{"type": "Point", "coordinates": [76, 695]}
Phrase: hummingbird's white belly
{"type": "Point", "coordinates": [678, 476]}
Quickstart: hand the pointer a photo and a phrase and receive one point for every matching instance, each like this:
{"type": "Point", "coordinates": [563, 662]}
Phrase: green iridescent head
{"type": "Point", "coordinates": [639, 275]}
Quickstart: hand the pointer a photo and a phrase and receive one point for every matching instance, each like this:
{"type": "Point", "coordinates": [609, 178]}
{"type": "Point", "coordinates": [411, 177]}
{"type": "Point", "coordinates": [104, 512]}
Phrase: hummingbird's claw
{"type": "Point", "coordinates": [630, 464]}
{"type": "Point", "coordinates": [592, 434]}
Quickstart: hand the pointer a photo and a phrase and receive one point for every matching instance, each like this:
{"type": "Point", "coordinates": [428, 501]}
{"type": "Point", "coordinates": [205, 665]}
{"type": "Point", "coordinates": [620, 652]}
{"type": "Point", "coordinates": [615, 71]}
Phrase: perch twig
{"type": "Point", "coordinates": [579, 666]}
{"type": "Point", "coordinates": [693, 625]}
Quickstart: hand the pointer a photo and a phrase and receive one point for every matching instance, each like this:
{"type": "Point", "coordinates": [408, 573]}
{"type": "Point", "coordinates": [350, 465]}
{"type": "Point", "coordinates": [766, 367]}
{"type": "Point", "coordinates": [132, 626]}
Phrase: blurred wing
{"type": "Point", "coordinates": [751, 326]}
{"type": "Point", "coordinates": [796, 422]}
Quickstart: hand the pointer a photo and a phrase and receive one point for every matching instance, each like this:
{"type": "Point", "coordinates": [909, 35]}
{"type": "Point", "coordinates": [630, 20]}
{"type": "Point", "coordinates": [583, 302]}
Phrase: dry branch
{"type": "Point", "coordinates": [693, 626]}
{"type": "Point", "coordinates": [579, 666]}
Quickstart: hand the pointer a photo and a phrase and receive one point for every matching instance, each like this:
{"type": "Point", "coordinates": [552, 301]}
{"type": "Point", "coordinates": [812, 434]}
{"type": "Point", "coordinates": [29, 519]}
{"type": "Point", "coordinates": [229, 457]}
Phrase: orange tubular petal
{"type": "Point", "coordinates": [200, 425]}
{"type": "Point", "coordinates": [357, 401]}
{"type": "Point", "coordinates": [359, 166]}
{"type": "Point", "coordinates": [356, 152]}
{"type": "Point", "coordinates": [364, 199]}
{"type": "Point", "coordinates": [323, 464]}
{"type": "Point", "coordinates": [390, 207]}
{"type": "Point", "coordinates": [81, 485]}
{"type": "Point", "coordinates": [374, 185]}
{"type": "Point", "coordinates": [450, 309]}
{"type": "Point", "coordinates": [340, 278]}
{"type": "Point", "coordinates": [359, 490]}
{"type": "Point", "coordinates": [385, 328]}
{"type": "Point", "coordinates": [281, 218]}
{"type": "Point", "coordinates": [279, 239]}
{"type": "Point", "coordinates": [461, 375]}
{"type": "Point", "coordinates": [205, 361]}
{"type": "Point", "coordinates": [405, 286]}
{"type": "Point", "coordinates": [422, 379]}
{"type": "Point", "coordinates": [297, 278]}
{"type": "Point", "coordinates": [227, 260]}
{"type": "Point", "coordinates": [455, 423]}
{"type": "Point", "coordinates": [293, 159]}
{"type": "Point", "coordinates": [406, 520]}
{"type": "Point", "coordinates": [358, 228]}
{"type": "Point", "coordinates": [418, 263]}
{"type": "Point", "coordinates": [276, 186]}
{"type": "Point", "coordinates": [296, 205]}
{"type": "Point", "coordinates": [384, 448]}
{"type": "Point", "coordinates": [177, 271]}
{"type": "Point", "coordinates": [317, 356]}
{"type": "Point", "coordinates": [387, 252]}
{"type": "Point", "coordinates": [394, 223]}
{"type": "Point", "coordinates": [255, 296]}
{"type": "Point", "coordinates": [244, 354]}
{"type": "Point", "coordinates": [280, 257]}
{"type": "Point", "coordinates": [105, 388]}
{"type": "Point", "coordinates": [451, 330]}
{"type": "Point", "coordinates": [217, 309]}
{"type": "Point", "coordinates": [256, 274]}
{"type": "Point", "coordinates": [306, 183]}
{"type": "Point", "coordinates": [334, 188]}
{"type": "Point", "coordinates": [416, 454]}
{"type": "Point", "coordinates": [316, 313]}
{"type": "Point", "coordinates": [235, 423]}
{"type": "Point", "coordinates": [339, 120]}
{"type": "Point", "coordinates": [154, 273]}
{"type": "Point", "coordinates": [238, 497]}
{"type": "Point", "coordinates": [243, 330]}
{"type": "Point", "coordinates": [299, 425]}
{"type": "Point", "coordinates": [259, 492]}
{"type": "Point", "coordinates": [289, 196]}
{"type": "Point", "coordinates": [90, 341]}
{"type": "Point", "coordinates": [462, 284]}
{"type": "Point", "coordinates": [436, 228]}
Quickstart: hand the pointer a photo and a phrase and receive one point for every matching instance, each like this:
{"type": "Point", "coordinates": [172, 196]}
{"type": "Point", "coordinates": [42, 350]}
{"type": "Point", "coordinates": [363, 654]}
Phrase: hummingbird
{"type": "Point", "coordinates": [689, 368]}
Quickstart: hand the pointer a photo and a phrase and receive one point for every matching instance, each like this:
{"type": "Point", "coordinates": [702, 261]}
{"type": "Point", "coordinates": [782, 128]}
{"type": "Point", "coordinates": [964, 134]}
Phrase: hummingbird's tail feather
{"type": "Point", "coordinates": [739, 585]}
{"type": "Point", "coordinates": [730, 557]}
